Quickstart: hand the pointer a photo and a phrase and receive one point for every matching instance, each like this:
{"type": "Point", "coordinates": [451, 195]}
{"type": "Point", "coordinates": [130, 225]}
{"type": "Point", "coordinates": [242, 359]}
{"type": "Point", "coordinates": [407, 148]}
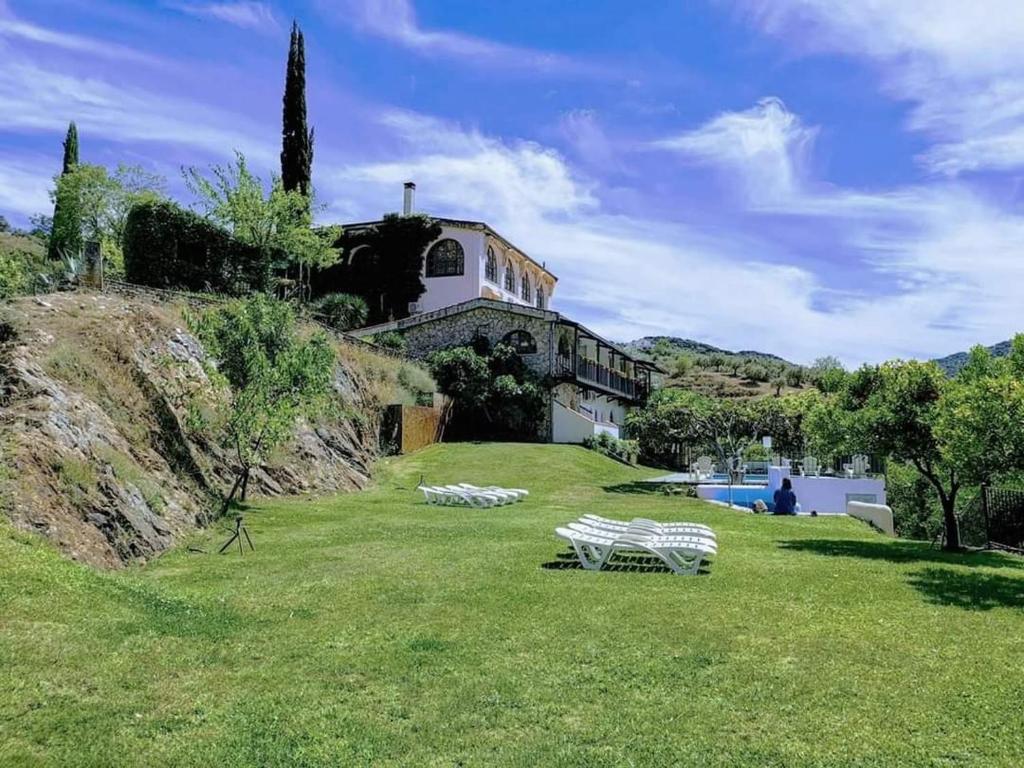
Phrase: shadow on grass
{"type": "Point", "coordinates": [622, 563]}
{"type": "Point", "coordinates": [970, 591]}
{"type": "Point", "coordinates": [637, 487]}
{"type": "Point", "coordinates": [895, 551]}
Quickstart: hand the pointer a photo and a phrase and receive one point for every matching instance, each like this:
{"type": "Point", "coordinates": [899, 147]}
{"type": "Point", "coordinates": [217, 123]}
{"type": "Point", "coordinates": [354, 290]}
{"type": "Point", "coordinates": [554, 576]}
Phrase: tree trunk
{"type": "Point", "coordinates": [245, 482]}
{"type": "Point", "coordinates": [231, 496]}
{"type": "Point", "coordinates": [950, 522]}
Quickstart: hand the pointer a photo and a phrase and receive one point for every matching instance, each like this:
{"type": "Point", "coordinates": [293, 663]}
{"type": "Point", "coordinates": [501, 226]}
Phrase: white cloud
{"type": "Point", "coordinates": [396, 20]}
{"type": "Point", "coordinates": [940, 275]}
{"type": "Point", "coordinates": [33, 98]}
{"type": "Point", "coordinates": [13, 28]}
{"type": "Point", "coordinates": [241, 13]}
{"type": "Point", "coordinates": [766, 146]}
{"type": "Point", "coordinates": [960, 63]}
{"type": "Point", "coordinates": [24, 185]}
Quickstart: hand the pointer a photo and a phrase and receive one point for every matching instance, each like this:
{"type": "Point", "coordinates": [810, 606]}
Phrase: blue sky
{"type": "Point", "coordinates": [815, 178]}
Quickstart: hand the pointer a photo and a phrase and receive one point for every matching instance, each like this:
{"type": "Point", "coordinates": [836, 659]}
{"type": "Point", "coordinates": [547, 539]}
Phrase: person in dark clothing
{"type": "Point", "coordinates": [785, 499]}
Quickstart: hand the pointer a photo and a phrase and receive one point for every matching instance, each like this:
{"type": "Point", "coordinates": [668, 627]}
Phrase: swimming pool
{"type": "Point", "coordinates": [742, 495]}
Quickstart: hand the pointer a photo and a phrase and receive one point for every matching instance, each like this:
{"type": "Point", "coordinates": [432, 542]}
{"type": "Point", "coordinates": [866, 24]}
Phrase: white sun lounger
{"type": "Point", "coordinates": [675, 529]}
{"type": "Point", "coordinates": [685, 537]}
{"type": "Point", "coordinates": [594, 550]}
{"type": "Point", "coordinates": [451, 496]}
{"type": "Point", "coordinates": [518, 494]}
{"type": "Point", "coordinates": [642, 524]}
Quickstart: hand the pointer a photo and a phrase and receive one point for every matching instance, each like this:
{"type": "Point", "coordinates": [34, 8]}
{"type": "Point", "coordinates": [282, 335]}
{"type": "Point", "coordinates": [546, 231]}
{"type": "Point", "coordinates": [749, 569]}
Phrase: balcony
{"type": "Point", "coordinates": [592, 372]}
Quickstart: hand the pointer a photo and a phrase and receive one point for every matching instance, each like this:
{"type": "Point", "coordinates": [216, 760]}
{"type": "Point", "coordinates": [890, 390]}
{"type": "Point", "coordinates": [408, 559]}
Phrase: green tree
{"type": "Point", "coordinates": [827, 374]}
{"type": "Point", "coordinates": [95, 207]}
{"type": "Point", "coordinates": [65, 218]}
{"type": "Point", "coordinates": [954, 432]}
{"type": "Point", "coordinates": [296, 136]}
{"type": "Point", "coordinates": [274, 220]}
{"type": "Point", "coordinates": [275, 375]}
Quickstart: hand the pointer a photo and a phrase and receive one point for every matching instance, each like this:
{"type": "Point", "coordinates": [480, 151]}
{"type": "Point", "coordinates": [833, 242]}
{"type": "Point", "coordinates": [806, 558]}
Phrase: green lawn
{"type": "Point", "coordinates": [371, 629]}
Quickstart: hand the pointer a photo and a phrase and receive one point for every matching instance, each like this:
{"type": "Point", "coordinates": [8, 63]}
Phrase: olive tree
{"type": "Point", "coordinates": [274, 375]}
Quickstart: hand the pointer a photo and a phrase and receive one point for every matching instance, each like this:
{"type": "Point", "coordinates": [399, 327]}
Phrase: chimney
{"type": "Point", "coordinates": [409, 199]}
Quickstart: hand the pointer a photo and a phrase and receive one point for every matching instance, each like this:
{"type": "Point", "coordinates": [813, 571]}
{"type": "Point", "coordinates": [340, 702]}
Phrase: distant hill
{"type": "Point", "coordinates": [952, 364]}
{"type": "Point", "coordinates": [645, 347]}
{"type": "Point", "coordinates": [733, 376]}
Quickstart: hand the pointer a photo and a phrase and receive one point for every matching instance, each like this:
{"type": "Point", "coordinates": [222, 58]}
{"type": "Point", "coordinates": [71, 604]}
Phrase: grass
{"type": "Point", "coordinates": [370, 629]}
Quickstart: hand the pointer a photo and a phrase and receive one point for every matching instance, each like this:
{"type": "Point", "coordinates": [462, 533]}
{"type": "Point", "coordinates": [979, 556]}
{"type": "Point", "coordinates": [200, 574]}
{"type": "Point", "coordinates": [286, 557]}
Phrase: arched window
{"type": "Point", "coordinates": [446, 258]}
{"type": "Point", "coordinates": [491, 267]}
{"type": "Point", "coordinates": [541, 299]}
{"type": "Point", "coordinates": [510, 277]}
{"type": "Point", "coordinates": [527, 296]}
{"type": "Point", "coordinates": [521, 341]}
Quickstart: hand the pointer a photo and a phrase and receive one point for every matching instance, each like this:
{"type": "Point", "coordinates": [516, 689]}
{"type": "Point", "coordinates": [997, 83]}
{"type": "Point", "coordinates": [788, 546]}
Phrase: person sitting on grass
{"type": "Point", "coordinates": [785, 499]}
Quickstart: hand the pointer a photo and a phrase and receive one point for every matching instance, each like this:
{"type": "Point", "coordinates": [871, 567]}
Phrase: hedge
{"type": "Point", "coordinates": [166, 246]}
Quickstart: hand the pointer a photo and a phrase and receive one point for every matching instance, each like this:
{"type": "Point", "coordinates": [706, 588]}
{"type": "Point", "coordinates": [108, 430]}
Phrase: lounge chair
{"type": "Point", "coordinates": [517, 494]}
{"type": "Point", "coordinates": [645, 524]}
{"type": "Point", "coordinates": [649, 527]}
{"type": "Point", "coordinates": [594, 550]}
{"type": "Point", "coordinates": [690, 538]}
{"type": "Point", "coordinates": [485, 498]}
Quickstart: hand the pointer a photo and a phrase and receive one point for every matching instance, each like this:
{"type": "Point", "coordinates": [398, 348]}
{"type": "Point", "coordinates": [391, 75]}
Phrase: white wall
{"type": "Point", "coordinates": [444, 291]}
{"type": "Point", "coordinates": [829, 494]}
{"type": "Point", "coordinates": [568, 426]}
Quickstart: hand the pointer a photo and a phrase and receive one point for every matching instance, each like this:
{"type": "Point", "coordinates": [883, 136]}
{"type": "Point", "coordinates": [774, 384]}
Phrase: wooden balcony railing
{"type": "Point", "coordinates": [588, 370]}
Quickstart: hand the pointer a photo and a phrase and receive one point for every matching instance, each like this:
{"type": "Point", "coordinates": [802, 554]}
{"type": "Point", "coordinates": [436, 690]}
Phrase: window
{"type": "Point", "coordinates": [446, 258]}
{"type": "Point", "coordinates": [491, 267]}
{"type": "Point", "coordinates": [510, 278]}
{"type": "Point", "coordinates": [541, 299]}
{"type": "Point", "coordinates": [527, 296]}
{"type": "Point", "coordinates": [521, 341]}
{"type": "Point", "coordinates": [564, 346]}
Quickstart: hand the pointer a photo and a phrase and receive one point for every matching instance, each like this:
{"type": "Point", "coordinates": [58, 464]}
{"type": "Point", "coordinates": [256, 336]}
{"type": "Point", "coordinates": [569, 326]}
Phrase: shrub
{"type": "Point", "coordinates": [604, 443]}
{"type": "Point", "coordinates": [166, 246]}
{"type": "Point", "coordinates": [342, 311]}
{"type": "Point", "coordinates": [390, 340]}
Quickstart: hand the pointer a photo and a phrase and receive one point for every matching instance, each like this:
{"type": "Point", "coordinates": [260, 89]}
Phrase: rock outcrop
{"type": "Point", "coordinates": [108, 440]}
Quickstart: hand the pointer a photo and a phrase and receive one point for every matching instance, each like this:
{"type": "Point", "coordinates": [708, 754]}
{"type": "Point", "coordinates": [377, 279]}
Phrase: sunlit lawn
{"type": "Point", "coordinates": [371, 629]}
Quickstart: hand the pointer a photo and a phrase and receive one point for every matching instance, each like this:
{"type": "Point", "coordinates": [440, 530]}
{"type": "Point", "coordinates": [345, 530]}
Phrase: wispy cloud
{"type": "Point", "coordinates": [396, 21]}
{"type": "Point", "coordinates": [959, 63]}
{"type": "Point", "coordinates": [24, 185]}
{"type": "Point", "coordinates": [34, 98]}
{"type": "Point", "coordinates": [246, 14]}
{"type": "Point", "coordinates": [14, 28]}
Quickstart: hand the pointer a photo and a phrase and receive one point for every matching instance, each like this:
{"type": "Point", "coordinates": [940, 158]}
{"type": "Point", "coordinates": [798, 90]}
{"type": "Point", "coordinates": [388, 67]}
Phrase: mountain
{"type": "Point", "coordinates": [745, 373]}
{"type": "Point", "coordinates": [952, 364]}
{"type": "Point", "coordinates": [669, 346]}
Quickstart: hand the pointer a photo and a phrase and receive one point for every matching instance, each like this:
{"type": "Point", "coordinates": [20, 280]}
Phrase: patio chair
{"type": "Point", "coordinates": [644, 526]}
{"type": "Point", "coordinates": [809, 466]}
{"type": "Point", "coordinates": [594, 550]}
{"type": "Point", "coordinates": [860, 465]}
{"type": "Point", "coordinates": [704, 467]}
{"type": "Point", "coordinates": [586, 527]}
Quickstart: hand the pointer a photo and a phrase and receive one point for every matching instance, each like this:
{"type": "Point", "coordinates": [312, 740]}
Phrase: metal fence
{"type": "Point", "coordinates": [1003, 510]}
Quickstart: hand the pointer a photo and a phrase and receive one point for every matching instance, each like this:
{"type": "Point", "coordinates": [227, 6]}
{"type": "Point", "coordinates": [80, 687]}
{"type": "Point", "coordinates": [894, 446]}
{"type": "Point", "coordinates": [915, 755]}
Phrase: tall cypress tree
{"type": "Point", "coordinates": [62, 215]}
{"type": "Point", "coordinates": [70, 148]}
{"type": "Point", "coordinates": [297, 137]}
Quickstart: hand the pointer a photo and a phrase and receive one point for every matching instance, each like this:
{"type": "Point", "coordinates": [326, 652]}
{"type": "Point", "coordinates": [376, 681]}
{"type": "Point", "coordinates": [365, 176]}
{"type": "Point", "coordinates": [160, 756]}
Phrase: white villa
{"type": "Point", "coordinates": [480, 285]}
{"type": "Point", "coordinates": [469, 261]}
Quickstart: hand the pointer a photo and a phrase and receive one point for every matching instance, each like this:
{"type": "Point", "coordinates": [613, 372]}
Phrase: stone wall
{"type": "Point", "coordinates": [494, 324]}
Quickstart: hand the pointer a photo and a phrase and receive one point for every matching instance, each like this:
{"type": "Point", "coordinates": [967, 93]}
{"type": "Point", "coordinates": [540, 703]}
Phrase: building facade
{"type": "Point", "coordinates": [594, 384]}
{"type": "Point", "coordinates": [470, 260]}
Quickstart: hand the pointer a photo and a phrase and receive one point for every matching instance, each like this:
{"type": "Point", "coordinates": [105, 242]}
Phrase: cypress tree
{"type": "Point", "coordinates": [70, 148]}
{"type": "Point", "coordinates": [62, 237]}
{"type": "Point", "coordinates": [297, 137]}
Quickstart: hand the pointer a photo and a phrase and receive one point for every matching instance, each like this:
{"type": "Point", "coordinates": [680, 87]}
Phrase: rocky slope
{"type": "Point", "coordinates": [109, 440]}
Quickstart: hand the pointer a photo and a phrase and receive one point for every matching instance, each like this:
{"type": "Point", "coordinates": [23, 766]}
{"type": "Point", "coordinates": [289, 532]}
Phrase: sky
{"type": "Point", "coordinates": [800, 177]}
